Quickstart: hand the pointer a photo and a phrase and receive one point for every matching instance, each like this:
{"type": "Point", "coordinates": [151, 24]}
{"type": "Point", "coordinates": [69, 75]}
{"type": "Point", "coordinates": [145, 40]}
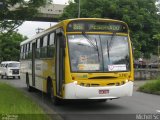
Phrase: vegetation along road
{"type": "Point", "coordinates": [139, 103]}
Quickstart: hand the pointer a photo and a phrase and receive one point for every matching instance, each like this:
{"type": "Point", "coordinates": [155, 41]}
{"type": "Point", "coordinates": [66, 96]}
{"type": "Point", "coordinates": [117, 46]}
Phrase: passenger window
{"type": "Point", "coordinates": [51, 48]}
{"type": "Point", "coordinates": [41, 42]}
{"type": "Point", "coordinates": [21, 54]}
{"type": "Point", "coordinates": [38, 43]}
{"type": "Point", "coordinates": [52, 37]}
{"type": "Point", "coordinates": [43, 49]}
{"type": "Point", "coordinates": [38, 48]}
{"type": "Point", "coordinates": [30, 51]}
{"type": "Point", "coordinates": [45, 40]}
{"type": "Point", "coordinates": [28, 46]}
{"type": "Point", "coordinates": [22, 49]}
{"type": "Point", "coordinates": [26, 53]}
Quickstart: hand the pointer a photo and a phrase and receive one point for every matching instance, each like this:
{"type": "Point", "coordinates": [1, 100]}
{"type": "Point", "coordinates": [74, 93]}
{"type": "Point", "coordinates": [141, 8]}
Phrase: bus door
{"type": "Point", "coordinates": [59, 61]}
{"type": "Point", "coordinates": [33, 63]}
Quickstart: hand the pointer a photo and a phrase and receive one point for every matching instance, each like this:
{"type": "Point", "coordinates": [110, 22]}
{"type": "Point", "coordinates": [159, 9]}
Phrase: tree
{"type": "Point", "coordinates": [10, 46]}
{"type": "Point", "coordinates": [140, 15]}
{"type": "Point", "coordinates": [157, 39]}
{"type": "Point", "coordinates": [17, 11]}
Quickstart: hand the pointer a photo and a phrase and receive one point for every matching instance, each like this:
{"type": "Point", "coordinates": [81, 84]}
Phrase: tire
{"type": "Point", "coordinates": [19, 77]}
{"type": "Point", "coordinates": [13, 77]}
{"type": "Point", "coordinates": [50, 93]}
{"type": "Point", "coordinates": [29, 88]}
{"type": "Point", "coordinates": [1, 76]}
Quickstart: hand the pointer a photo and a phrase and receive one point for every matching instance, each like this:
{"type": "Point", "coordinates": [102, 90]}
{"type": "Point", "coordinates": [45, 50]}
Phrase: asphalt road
{"type": "Point", "coordinates": [140, 106]}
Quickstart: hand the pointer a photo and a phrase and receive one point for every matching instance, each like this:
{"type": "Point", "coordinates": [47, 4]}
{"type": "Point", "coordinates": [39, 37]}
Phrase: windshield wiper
{"type": "Point", "coordinates": [90, 41]}
{"type": "Point", "coordinates": [109, 45]}
{"type": "Point", "coordinates": [94, 46]}
{"type": "Point", "coordinates": [97, 50]}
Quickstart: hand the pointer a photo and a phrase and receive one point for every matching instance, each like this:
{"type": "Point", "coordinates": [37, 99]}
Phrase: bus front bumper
{"type": "Point", "coordinates": [74, 91]}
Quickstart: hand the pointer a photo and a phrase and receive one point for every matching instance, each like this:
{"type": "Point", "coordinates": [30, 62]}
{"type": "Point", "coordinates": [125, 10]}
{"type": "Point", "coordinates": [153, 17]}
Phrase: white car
{"type": "Point", "coordinates": [10, 69]}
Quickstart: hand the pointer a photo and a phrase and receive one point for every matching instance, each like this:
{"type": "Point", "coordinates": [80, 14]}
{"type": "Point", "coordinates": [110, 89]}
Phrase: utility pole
{"type": "Point", "coordinates": [79, 9]}
{"type": "Point", "coordinates": [39, 30]}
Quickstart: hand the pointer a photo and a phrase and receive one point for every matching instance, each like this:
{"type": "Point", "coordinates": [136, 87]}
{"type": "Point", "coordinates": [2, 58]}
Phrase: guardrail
{"type": "Point", "coordinates": [146, 74]}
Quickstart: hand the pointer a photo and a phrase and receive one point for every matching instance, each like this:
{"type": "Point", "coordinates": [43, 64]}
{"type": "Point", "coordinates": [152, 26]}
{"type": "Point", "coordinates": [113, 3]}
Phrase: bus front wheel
{"type": "Point", "coordinates": [30, 89]}
{"type": "Point", "coordinates": [54, 99]}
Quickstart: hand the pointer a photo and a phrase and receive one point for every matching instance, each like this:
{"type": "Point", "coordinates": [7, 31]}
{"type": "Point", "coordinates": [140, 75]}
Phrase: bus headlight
{"type": "Point", "coordinates": [75, 82]}
{"type": "Point", "coordinates": [126, 81]}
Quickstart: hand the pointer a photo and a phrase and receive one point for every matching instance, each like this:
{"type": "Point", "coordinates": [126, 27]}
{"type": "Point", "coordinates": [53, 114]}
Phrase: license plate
{"type": "Point", "coordinates": [103, 91]}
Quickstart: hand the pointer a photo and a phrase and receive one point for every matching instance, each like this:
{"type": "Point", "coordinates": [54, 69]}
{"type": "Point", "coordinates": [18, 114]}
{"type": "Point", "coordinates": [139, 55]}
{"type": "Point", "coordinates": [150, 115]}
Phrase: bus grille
{"type": "Point", "coordinates": [15, 71]}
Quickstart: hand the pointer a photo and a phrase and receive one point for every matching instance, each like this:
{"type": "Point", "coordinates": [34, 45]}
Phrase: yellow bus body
{"type": "Point", "coordinates": [76, 85]}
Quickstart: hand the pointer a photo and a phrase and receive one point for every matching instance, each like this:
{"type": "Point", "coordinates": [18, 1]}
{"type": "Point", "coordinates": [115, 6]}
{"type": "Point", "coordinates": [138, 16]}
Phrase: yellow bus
{"type": "Point", "coordinates": [83, 58]}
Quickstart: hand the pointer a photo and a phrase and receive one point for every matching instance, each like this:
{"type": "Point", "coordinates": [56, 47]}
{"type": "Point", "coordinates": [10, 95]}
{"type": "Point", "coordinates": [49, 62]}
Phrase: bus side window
{"type": "Point", "coordinates": [24, 51]}
{"type": "Point", "coordinates": [26, 54]}
{"type": "Point", "coordinates": [51, 47]}
{"type": "Point", "coordinates": [44, 46]}
{"type": "Point", "coordinates": [21, 54]}
{"type": "Point", "coordinates": [27, 47]}
{"type": "Point", "coordinates": [30, 51]}
{"type": "Point", "coordinates": [38, 48]}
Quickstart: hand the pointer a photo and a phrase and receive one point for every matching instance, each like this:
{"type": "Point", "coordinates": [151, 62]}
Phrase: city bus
{"type": "Point", "coordinates": [83, 58]}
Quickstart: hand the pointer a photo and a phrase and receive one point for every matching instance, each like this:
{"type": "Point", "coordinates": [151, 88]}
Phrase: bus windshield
{"type": "Point", "coordinates": [99, 53]}
{"type": "Point", "coordinates": [13, 65]}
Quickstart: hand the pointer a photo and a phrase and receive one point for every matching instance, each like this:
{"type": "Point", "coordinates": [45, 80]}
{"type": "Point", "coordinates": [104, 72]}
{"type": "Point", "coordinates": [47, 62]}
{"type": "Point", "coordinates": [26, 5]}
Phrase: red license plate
{"type": "Point", "coordinates": [103, 91]}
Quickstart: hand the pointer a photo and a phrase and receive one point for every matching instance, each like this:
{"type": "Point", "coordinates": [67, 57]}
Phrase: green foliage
{"type": "Point", "coordinates": [15, 102]}
{"type": "Point", "coordinates": [140, 15]}
{"type": "Point", "coordinates": [10, 46]}
{"type": "Point", "coordinates": [22, 10]}
{"type": "Point", "coordinates": [157, 37]}
{"type": "Point", "coordinates": [10, 40]}
{"type": "Point", "coordinates": [151, 87]}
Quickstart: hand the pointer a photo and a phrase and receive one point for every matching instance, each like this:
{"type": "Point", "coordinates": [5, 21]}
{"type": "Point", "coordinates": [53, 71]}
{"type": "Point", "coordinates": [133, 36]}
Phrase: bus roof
{"type": "Point", "coordinates": [7, 62]}
{"type": "Point", "coordinates": [66, 22]}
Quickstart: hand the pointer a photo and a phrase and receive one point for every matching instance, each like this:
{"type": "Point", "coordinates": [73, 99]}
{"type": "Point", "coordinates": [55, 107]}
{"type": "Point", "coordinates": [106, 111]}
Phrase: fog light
{"type": "Point", "coordinates": [75, 82]}
{"type": "Point", "coordinates": [126, 81]}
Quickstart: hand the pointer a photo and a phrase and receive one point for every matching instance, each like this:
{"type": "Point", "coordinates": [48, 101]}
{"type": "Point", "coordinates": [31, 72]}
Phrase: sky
{"type": "Point", "coordinates": [29, 28]}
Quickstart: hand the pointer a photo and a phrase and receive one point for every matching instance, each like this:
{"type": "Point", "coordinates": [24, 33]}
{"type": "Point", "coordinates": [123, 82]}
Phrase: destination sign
{"type": "Point", "coordinates": [78, 26]}
{"type": "Point", "coordinates": [92, 26]}
{"type": "Point", "coordinates": [105, 27]}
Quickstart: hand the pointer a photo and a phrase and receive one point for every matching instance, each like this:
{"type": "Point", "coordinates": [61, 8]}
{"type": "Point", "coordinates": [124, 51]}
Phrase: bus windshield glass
{"type": "Point", "coordinates": [13, 65]}
{"type": "Point", "coordinates": [98, 53]}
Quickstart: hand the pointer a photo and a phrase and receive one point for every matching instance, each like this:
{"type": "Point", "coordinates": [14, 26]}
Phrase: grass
{"type": "Point", "coordinates": [152, 87]}
{"type": "Point", "coordinates": [14, 103]}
